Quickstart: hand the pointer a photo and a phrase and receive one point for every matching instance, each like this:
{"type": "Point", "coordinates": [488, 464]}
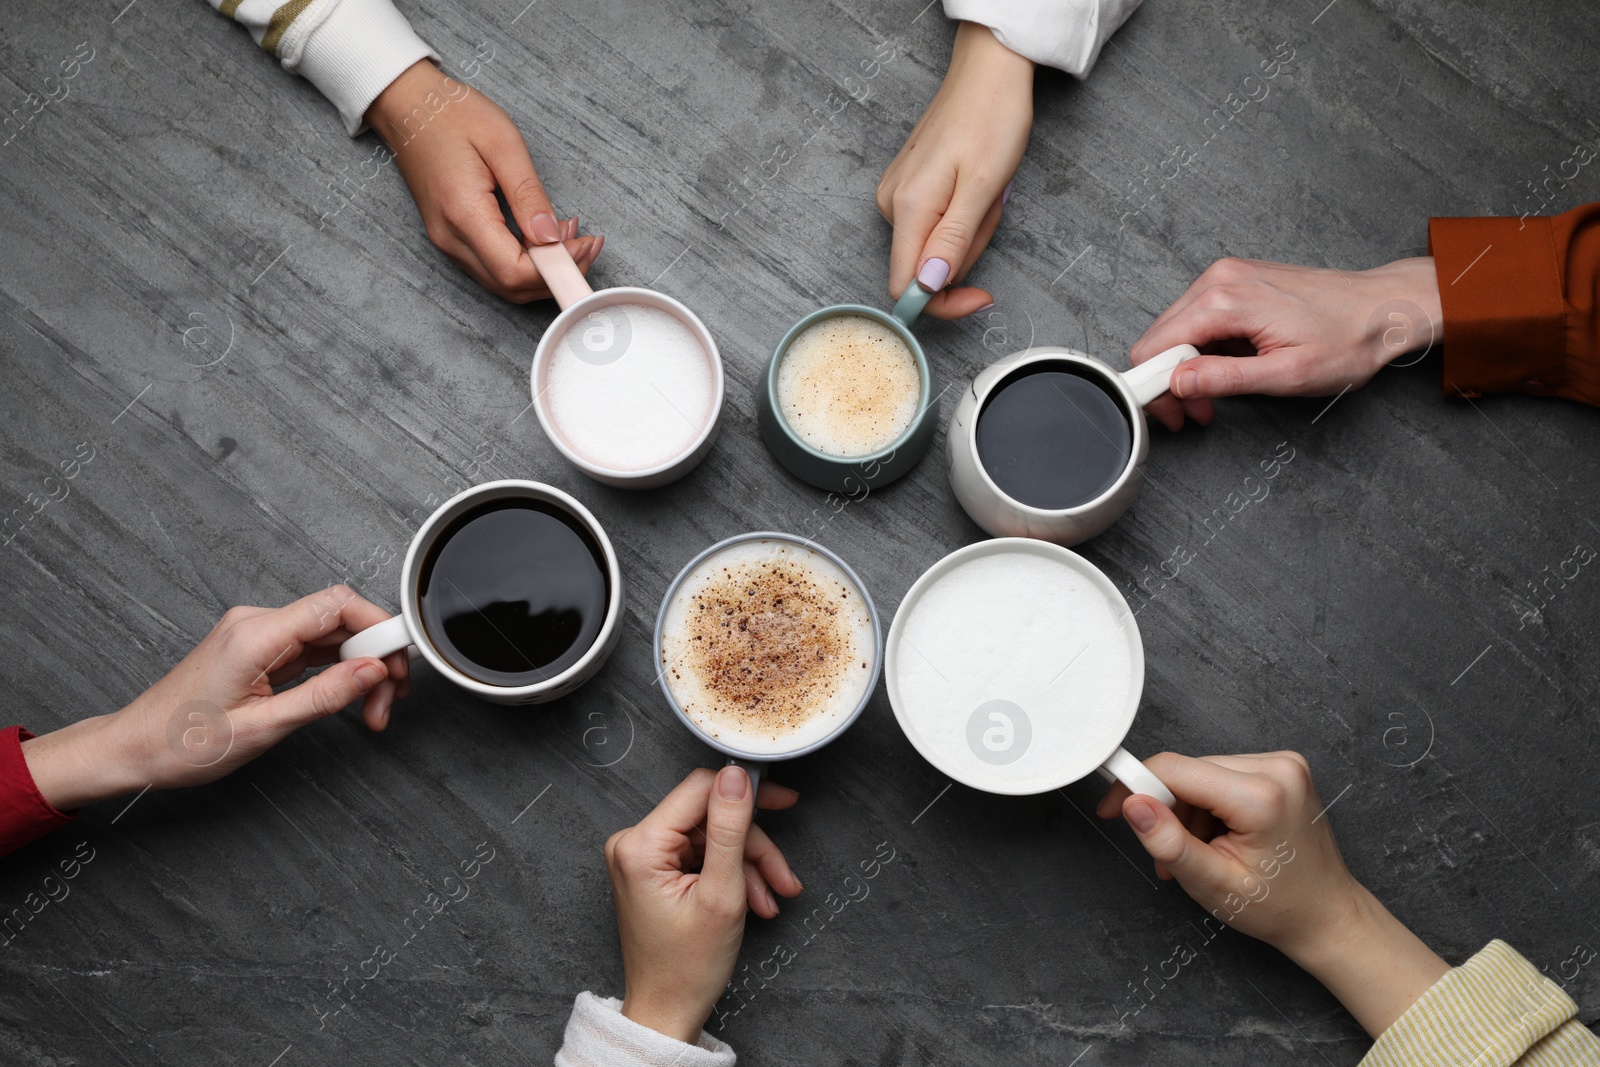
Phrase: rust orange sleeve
{"type": "Point", "coordinates": [1521, 301]}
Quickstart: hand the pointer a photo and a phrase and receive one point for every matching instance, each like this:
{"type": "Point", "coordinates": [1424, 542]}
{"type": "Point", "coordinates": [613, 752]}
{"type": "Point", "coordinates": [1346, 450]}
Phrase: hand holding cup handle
{"type": "Point", "coordinates": [1153, 377]}
{"type": "Point", "coordinates": [1124, 767]}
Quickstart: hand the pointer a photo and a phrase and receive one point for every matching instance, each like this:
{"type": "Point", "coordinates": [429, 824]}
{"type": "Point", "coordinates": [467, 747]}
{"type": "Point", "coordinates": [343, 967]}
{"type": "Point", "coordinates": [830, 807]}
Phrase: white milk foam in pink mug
{"type": "Point", "coordinates": [629, 387]}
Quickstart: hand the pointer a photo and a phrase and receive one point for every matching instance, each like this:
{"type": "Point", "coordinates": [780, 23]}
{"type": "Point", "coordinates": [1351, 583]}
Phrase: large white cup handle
{"type": "Point", "coordinates": [378, 641]}
{"type": "Point", "coordinates": [1123, 767]}
{"type": "Point", "coordinates": [1154, 376]}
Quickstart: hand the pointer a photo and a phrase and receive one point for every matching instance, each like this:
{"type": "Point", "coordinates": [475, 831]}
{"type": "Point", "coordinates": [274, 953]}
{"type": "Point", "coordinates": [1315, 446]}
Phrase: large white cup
{"type": "Point", "coordinates": [993, 722]}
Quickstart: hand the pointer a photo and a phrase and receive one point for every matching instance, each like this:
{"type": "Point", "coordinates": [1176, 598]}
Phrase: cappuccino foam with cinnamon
{"type": "Point", "coordinates": [768, 647]}
{"type": "Point", "coordinates": [848, 385]}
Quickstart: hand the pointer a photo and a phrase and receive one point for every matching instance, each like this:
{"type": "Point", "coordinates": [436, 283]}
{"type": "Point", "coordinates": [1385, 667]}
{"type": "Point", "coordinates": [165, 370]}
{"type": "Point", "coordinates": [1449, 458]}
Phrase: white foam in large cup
{"type": "Point", "coordinates": [1014, 666]}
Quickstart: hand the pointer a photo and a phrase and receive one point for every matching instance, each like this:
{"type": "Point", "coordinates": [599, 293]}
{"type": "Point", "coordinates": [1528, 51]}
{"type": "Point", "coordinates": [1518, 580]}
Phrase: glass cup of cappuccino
{"type": "Point", "coordinates": [1051, 442]}
{"type": "Point", "coordinates": [626, 382]}
{"type": "Point", "coordinates": [768, 647]}
{"type": "Point", "coordinates": [511, 590]}
{"type": "Point", "coordinates": [848, 402]}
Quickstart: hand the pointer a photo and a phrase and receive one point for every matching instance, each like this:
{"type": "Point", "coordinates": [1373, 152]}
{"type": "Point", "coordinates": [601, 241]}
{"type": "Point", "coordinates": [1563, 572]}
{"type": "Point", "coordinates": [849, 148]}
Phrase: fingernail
{"type": "Point", "coordinates": [772, 901]}
{"type": "Point", "coordinates": [986, 307]}
{"type": "Point", "coordinates": [569, 229]}
{"type": "Point", "coordinates": [1006, 196]}
{"type": "Point", "coordinates": [544, 228]}
{"type": "Point", "coordinates": [1140, 814]}
{"type": "Point", "coordinates": [369, 674]}
{"type": "Point", "coordinates": [732, 784]}
{"type": "Point", "coordinates": [933, 275]}
{"type": "Point", "coordinates": [1185, 382]}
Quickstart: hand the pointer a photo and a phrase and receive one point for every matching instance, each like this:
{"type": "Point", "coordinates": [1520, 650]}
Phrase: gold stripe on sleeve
{"type": "Point", "coordinates": [279, 23]}
{"type": "Point", "coordinates": [229, 7]}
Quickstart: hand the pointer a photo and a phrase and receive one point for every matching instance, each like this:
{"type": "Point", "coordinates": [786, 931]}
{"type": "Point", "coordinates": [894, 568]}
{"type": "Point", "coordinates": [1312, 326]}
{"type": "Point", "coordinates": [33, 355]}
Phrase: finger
{"type": "Point", "coordinates": [730, 809]}
{"type": "Point", "coordinates": [326, 693]}
{"type": "Point", "coordinates": [1201, 410]}
{"type": "Point", "coordinates": [1278, 373]}
{"type": "Point", "coordinates": [959, 303]}
{"type": "Point", "coordinates": [1227, 791]}
{"type": "Point", "coordinates": [769, 860]}
{"type": "Point", "coordinates": [953, 235]}
{"type": "Point", "coordinates": [986, 228]}
{"type": "Point", "coordinates": [379, 703]}
{"type": "Point", "coordinates": [1192, 861]}
{"type": "Point", "coordinates": [757, 894]}
{"type": "Point", "coordinates": [917, 207]}
{"type": "Point", "coordinates": [774, 797]}
{"type": "Point", "coordinates": [1168, 410]}
{"type": "Point", "coordinates": [683, 809]}
{"type": "Point", "coordinates": [277, 636]}
{"type": "Point", "coordinates": [1211, 316]}
{"type": "Point", "coordinates": [508, 160]}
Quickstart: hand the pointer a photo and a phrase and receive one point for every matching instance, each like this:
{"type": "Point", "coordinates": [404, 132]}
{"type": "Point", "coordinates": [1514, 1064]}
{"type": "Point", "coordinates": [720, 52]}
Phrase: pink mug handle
{"type": "Point", "coordinates": [560, 273]}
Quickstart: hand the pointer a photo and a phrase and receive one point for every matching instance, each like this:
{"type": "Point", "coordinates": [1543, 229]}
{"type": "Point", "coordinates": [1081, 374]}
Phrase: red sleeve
{"type": "Point", "coordinates": [1521, 301]}
{"type": "Point", "coordinates": [25, 815]}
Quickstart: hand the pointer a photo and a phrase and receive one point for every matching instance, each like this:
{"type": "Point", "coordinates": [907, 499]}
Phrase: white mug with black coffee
{"type": "Point", "coordinates": [511, 589]}
{"type": "Point", "coordinates": [1051, 442]}
{"type": "Point", "coordinates": [768, 646]}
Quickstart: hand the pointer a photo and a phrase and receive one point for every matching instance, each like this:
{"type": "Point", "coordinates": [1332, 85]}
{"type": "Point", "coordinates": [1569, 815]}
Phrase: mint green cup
{"type": "Point", "coordinates": [853, 476]}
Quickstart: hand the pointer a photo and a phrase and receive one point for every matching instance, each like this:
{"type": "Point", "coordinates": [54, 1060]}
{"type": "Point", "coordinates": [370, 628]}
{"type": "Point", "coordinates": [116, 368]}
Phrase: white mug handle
{"type": "Point", "coordinates": [1123, 767]}
{"type": "Point", "coordinates": [1154, 376]}
{"type": "Point", "coordinates": [390, 635]}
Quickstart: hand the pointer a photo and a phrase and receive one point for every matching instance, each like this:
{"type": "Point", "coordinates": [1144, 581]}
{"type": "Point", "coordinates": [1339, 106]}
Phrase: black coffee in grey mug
{"type": "Point", "coordinates": [1053, 436]}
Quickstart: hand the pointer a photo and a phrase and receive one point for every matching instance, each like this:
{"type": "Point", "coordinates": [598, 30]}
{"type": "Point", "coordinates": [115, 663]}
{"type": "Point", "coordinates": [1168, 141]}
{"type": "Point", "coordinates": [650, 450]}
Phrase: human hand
{"type": "Point", "coordinates": [216, 710]}
{"type": "Point", "coordinates": [1283, 330]}
{"type": "Point", "coordinates": [945, 190]}
{"type": "Point", "coordinates": [454, 147]}
{"type": "Point", "coordinates": [1250, 843]}
{"type": "Point", "coordinates": [682, 879]}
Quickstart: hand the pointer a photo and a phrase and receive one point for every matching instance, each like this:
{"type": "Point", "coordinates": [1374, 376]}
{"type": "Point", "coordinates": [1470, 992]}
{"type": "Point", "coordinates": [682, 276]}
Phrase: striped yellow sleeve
{"type": "Point", "coordinates": [1492, 1011]}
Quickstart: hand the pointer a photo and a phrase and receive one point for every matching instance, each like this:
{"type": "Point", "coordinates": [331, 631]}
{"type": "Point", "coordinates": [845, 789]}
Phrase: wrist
{"type": "Point", "coordinates": [391, 107]}
{"type": "Point", "coordinates": [979, 55]}
{"type": "Point", "coordinates": [1402, 330]}
{"type": "Point", "coordinates": [80, 764]}
{"type": "Point", "coordinates": [664, 1017]}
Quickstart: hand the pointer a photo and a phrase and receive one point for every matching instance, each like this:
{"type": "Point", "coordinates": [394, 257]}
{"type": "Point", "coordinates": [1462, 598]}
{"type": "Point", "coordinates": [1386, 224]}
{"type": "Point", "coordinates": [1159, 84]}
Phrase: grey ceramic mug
{"type": "Point", "coordinates": [852, 475]}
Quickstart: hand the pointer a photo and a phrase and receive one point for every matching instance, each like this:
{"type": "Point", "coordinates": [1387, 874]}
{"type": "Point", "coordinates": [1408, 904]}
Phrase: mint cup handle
{"type": "Point", "coordinates": [1123, 767]}
{"type": "Point", "coordinates": [1154, 376]}
{"type": "Point", "coordinates": [911, 303]}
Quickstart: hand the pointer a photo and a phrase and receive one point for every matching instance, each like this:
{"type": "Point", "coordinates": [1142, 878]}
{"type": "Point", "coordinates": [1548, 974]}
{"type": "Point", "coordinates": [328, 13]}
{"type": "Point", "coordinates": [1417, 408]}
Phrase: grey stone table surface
{"type": "Point", "coordinates": [275, 382]}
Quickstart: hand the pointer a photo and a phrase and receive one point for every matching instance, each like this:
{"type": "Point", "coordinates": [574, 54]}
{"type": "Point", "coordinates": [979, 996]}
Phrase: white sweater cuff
{"type": "Point", "coordinates": [599, 1035]}
{"type": "Point", "coordinates": [355, 52]}
{"type": "Point", "coordinates": [1065, 34]}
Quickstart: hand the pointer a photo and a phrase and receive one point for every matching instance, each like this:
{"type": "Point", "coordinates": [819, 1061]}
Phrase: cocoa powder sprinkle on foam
{"type": "Point", "coordinates": [769, 643]}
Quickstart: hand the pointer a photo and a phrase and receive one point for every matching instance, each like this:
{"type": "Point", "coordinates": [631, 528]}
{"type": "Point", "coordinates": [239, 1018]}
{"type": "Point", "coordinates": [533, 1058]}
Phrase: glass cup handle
{"type": "Point", "coordinates": [1123, 767]}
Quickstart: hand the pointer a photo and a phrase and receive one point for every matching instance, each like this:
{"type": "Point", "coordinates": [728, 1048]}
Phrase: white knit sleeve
{"type": "Point", "coordinates": [599, 1035]}
{"type": "Point", "coordinates": [349, 49]}
{"type": "Point", "coordinates": [1065, 34]}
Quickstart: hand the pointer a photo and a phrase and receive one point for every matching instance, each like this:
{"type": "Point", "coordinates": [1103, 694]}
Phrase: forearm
{"type": "Point", "coordinates": [1372, 963]}
{"type": "Point", "coordinates": [82, 763]}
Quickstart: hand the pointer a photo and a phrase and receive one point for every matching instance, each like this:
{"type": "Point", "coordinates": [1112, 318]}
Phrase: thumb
{"type": "Point", "coordinates": [326, 693]}
{"type": "Point", "coordinates": [944, 253]}
{"type": "Point", "coordinates": [728, 817]}
{"type": "Point", "coordinates": [1213, 376]}
{"type": "Point", "coordinates": [1195, 864]}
